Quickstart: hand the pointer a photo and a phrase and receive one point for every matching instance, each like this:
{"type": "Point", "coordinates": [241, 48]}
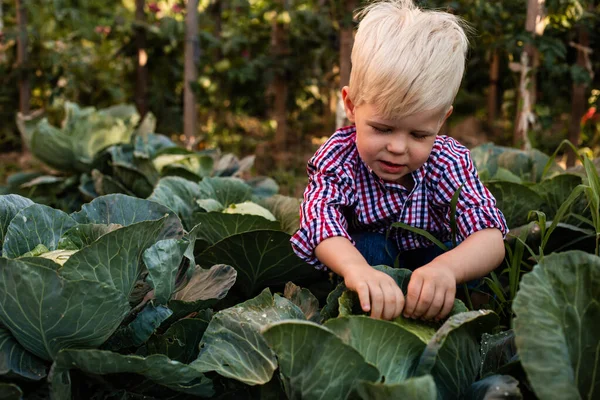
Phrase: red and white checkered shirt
{"type": "Point", "coordinates": [343, 195]}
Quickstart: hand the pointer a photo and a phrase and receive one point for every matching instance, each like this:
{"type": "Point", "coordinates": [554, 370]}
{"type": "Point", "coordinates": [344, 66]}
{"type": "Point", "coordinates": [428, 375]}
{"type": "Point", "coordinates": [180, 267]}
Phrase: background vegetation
{"type": "Point", "coordinates": [269, 71]}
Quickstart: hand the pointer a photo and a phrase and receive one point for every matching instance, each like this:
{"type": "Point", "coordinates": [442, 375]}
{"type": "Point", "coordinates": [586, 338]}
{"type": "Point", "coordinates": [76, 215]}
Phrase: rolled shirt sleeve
{"type": "Point", "coordinates": [476, 207]}
{"type": "Point", "coordinates": [329, 191]}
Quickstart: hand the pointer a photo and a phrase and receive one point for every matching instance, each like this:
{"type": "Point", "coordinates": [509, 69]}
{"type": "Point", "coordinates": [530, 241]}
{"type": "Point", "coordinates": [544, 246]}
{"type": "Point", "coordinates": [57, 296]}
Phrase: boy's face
{"type": "Point", "coordinates": [394, 148]}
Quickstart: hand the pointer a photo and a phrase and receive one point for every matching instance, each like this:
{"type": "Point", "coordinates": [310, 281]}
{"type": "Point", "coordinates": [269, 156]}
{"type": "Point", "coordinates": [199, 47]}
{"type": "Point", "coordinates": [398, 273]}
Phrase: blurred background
{"type": "Point", "coordinates": [262, 77]}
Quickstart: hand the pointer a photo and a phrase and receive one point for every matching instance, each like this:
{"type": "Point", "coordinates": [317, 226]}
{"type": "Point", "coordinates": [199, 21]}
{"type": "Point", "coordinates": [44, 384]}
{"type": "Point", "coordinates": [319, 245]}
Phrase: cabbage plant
{"type": "Point", "coordinates": [101, 277]}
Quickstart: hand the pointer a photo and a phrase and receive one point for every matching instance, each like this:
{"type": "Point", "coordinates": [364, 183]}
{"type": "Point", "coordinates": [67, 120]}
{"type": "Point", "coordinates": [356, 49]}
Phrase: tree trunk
{"type": "Point", "coordinates": [578, 100]}
{"type": "Point", "coordinates": [23, 68]}
{"type": "Point", "coordinates": [492, 98]}
{"type": "Point", "coordinates": [192, 55]}
{"type": "Point", "coordinates": [23, 58]}
{"type": "Point", "coordinates": [2, 51]}
{"type": "Point", "coordinates": [527, 93]}
{"type": "Point", "coordinates": [279, 88]}
{"type": "Point", "coordinates": [141, 87]}
{"type": "Point", "coordinates": [346, 43]}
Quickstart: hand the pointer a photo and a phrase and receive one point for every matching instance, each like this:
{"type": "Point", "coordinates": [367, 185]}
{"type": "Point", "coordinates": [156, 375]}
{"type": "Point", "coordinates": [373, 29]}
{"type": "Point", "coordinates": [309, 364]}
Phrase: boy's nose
{"type": "Point", "coordinates": [397, 146]}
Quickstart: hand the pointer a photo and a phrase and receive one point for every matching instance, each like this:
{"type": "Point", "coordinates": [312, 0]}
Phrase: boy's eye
{"type": "Point", "coordinates": [419, 136]}
{"type": "Point", "coordinates": [382, 130]}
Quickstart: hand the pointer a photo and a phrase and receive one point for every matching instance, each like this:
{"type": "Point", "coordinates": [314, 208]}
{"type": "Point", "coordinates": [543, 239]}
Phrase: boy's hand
{"type": "Point", "coordinates": [431, 292]}
{"type": "Point", "coordinates": [377, 292]}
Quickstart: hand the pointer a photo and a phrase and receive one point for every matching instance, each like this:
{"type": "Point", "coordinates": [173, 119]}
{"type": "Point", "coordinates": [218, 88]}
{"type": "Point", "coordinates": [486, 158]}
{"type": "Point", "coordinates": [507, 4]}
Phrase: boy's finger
{"type": "Point", "coordinates": [448, 304]}
{"type": "Point", "coordinates": [436, 305]}
{"type": "Point", "coordinates": [363, 296]}
{"type": "Point", "coordinates": [399, 302]}
{"type": "Point", "coordinates": [412, 296]}
{"type": "Point", "coordinates": [389, 305]}
{"type": "Point", "coordinates": [425, 300]}
{"type": "Point", "coordinates": [376, 301]}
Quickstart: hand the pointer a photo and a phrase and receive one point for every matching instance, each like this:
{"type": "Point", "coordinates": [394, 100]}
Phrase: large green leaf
{"type": "Point", "coordinates": [147, 145]}
{"type": "Point", "coordinates": [126, 210]}
{"type": "Point", "coordinates": [162, 261]}
{"type": "Point", "coordinates": [417, 388]}
{"type": "Point", "coordinates": [215, 226]}
{"type": "Point", "coordinates": [315, 362]}
{"type": "Point", "coordinates": [393, 350]}
{"type": "Point", "coordinates": [93, 131]}
{"type": "Point", "coordinates": [226, 191]}
{"type": "Point", "coordinates": [181, 341]}
{"type": "Point", "coordinates": [50, 145]}
{"type": "Point", "coordinates": [193, 167]}
{"type": "Point", "coordinates": [82, 235]}
{"type": "Point", "coordinates": [515, 201]}
{"type": "Point", "coordinates": [557, 326]}
{"type": "Point", "coordinates": [125, 156]}
{"type": "Point", "coordinates": [157, 367]}
{"type": "Point", "coordinates": [286, 210]}
{"type": "Point", "coordinates": [10, 205]}
{"type": "Point", "coordinates": [556, 191]}
{"type": "Point", "coordinates": [213, 283]}
{"type": "Point", "coordinates": [233, 345]}
{"type": "Point", "coordinates": [332, 308]}
{"type": "Point", "coordinates": [116, 258]}
{"type": "Point", "coordinates": [204, 289]}
{"type": "Point", "coordinates": [46, 313]}
{"type": "Point", "coordinates": [262, 187]}
{"type": "Point", "coordinates": [16, 361]}
{"type": "Point", "coordinates": [35, 225]}
{"type": "Point", "coordinates": [452, 356]}
{"type": "Point", "coordinates": [140, 329]}
{"type": "Point", "coordinates": [133, 179]}
{"type": "Point", "coordinates": [261, 258]}
{"type": "Point", "coordinates": [496, 351]}
{"type": "Point", "coordinates": [105, 184]}
{"type": "Point", "coordinates": [304, 299]}
{"type": "Point", "coordinates": [180, 196]}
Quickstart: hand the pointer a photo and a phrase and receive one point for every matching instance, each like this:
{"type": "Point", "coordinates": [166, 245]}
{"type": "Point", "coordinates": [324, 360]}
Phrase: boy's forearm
{"type": "Point", "coordinates": [339, 254]}
{"type": "Point", "coordinates": [476, 256]}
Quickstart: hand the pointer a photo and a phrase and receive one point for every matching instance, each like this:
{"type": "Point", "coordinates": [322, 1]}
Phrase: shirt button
{"type": "Point", "coordinates": [408, 203]}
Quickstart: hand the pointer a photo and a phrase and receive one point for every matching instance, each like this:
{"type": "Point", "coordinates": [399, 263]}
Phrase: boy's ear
{"type": "Point", "coordinates": [448, 113]}
{"type": "Point", "coordinates": [348, 105]}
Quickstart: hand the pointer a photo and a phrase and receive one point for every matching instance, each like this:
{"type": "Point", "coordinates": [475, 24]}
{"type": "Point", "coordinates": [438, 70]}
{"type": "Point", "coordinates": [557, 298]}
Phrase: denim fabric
{"type": "Point", "coordinates": [377, 250]}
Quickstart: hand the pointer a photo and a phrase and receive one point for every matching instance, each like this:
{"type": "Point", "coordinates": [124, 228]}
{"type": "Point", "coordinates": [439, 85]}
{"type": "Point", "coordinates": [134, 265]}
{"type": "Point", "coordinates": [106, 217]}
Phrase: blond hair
{"type": "Point", "coordinates": [406, 60]}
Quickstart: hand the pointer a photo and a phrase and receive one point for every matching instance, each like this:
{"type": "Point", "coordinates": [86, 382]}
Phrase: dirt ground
{"type": "Point", "coordinates": [15, 162]}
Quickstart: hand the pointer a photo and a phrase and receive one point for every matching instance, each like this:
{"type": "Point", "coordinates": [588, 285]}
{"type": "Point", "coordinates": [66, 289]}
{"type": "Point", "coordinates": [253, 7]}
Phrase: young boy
{"type": "Point", "coordinates": [390, 166]}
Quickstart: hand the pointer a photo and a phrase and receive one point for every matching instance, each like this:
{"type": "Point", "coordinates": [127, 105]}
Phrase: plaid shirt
{"type": "Point", "coordinates": [344, 195]}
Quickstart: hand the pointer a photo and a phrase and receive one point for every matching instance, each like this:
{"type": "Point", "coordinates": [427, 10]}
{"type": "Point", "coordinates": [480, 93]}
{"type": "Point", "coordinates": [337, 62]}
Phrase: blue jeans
{"type": "Point", "coordinates": [379, 250]}
{"type": "Point", "coordinates": [376, 249]}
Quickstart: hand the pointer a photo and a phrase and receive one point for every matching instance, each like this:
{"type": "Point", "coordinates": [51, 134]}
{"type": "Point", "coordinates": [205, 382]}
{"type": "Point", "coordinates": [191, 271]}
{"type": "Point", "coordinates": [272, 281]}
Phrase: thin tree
{"type": "Point", "coordinates": [141, 84]}
{"type": "Point", "coordinates": [192, 56]}
{"type": "Point", "coordinates": [492, 95]}
{"type": "Point", "coordinates": [534, 25]}
{"type": "Point", "coordinates": [346, 43]}
{"type": "Point", "coordinates": [23, 57]}
{"type": "Point", "coordinates": [2, 52]}
{"type": "Point", "coordinates": [23, 68]}
{"type": "Point", "coordinates": [279, 86]}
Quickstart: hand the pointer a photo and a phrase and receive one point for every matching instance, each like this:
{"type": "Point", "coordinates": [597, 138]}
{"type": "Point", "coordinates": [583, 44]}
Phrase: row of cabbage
{"type": "Point", "coordinates": [169, 298]}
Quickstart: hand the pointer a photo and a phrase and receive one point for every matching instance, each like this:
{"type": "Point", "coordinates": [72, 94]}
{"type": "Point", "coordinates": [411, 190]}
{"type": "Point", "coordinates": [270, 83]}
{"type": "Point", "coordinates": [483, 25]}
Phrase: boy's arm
{"type": "Point", "coordinates": [432, 287]}
{"type": "Point", "coordinates": [377, 291]}
{"type": "Point", "coordinates": [476, 256]}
